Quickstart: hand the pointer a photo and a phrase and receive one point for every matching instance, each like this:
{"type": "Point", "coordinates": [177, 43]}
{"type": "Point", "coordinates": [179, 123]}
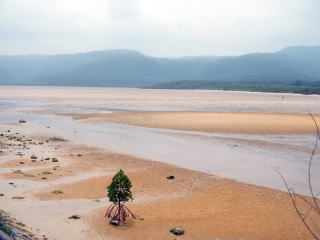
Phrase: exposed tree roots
{"type": "Point", "coordinates": [119, 213]}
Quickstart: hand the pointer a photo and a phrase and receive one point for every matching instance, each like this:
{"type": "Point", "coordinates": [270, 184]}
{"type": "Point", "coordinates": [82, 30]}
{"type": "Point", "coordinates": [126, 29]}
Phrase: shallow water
{"type": "Point", "coordinates": [249, 158]}
{"type": "Point", "coordinates": [235, 156]}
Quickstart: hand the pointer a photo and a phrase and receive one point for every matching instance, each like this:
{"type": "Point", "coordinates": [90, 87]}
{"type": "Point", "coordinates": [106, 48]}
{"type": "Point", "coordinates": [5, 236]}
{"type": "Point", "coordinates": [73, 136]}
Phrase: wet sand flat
{"type": "Point", "coordinates": [207, 206]}
{"type": "Point", "coordinates": [243, 123]}
{"type": "Point", "coordinates": [98, 99]}
{"type": "Point", "coordinates": [152, 134]}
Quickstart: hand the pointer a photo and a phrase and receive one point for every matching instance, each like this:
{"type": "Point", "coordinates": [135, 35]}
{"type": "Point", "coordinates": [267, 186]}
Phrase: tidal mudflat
{"type": "Point", "coordinates": [222, 147]}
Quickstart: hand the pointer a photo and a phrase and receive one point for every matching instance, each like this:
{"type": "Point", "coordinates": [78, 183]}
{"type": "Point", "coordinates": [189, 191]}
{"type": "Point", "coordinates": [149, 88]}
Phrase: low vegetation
{"type": "Point", "coordinates": [57, 192]}
{"type": "Point", "coordinates": [4, 226]}
{"type": "Point", "coordinates": [297, 86]}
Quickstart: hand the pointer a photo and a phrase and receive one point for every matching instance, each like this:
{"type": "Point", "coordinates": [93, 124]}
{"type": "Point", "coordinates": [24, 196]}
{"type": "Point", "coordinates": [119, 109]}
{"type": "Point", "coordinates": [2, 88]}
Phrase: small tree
{"type": "Point", "coordinates": [119, 193]}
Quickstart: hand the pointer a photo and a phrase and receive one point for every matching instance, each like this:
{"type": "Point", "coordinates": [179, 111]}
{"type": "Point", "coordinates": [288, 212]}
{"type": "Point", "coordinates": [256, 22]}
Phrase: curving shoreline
{"type": "Point", "coordinates": [160, 201]}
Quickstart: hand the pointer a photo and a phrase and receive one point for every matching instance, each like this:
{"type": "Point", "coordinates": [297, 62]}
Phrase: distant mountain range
{"type": "Point", "coordinates": [126, 68]}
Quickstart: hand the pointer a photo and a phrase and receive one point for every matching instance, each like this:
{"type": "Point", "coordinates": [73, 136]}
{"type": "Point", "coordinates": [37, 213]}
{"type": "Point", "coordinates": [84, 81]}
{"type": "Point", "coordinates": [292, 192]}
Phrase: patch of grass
{"type": "Point", "coordinates": [57, 192]}
{"type": "Point", "coordinates": [11, 137]}
{"type": "Point", "coordinates": [34, 156]}
{"type": "Point", "coordinates": [3, 223]}
{"type": "Point", "coordinates": [19, 139]}
{"type": "Point", "coordinates": [47, 159]}
{"type": "Point", "coordinates": [28, 175]}
{"type": "Point", "coordinates": [55, 160]}
{"type": "Point", "coordinates": [18, 171]}
{"type": "Point", "coordinates": [46, 173]}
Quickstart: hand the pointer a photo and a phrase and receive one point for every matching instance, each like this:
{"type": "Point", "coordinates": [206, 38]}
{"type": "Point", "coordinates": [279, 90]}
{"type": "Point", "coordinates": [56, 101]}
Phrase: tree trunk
{"type": "Point", "coordinates": [119, 211]}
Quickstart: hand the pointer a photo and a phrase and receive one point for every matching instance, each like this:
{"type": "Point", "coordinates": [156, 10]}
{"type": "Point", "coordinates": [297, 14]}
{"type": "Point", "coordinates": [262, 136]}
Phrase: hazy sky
{"type": "Point", "coordinates": [157, 27]}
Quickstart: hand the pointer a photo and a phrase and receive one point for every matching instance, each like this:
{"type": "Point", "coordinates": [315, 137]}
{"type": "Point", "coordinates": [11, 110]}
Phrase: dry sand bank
{"type": "Point", "coordinates": [207, 206]}
{"type": "Point", "coordinates": [244, 123]}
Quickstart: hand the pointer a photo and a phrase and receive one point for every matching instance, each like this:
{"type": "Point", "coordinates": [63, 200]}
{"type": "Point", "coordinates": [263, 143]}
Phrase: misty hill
{"type": "Point", "coordinates": [310, 55]}
{"type": "Point", "coordinates": [127, 68]}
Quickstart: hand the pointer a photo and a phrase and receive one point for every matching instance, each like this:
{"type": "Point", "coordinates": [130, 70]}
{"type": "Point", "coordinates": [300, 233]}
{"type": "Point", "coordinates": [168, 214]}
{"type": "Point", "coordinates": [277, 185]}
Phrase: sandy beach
{"type": "Point", "coordinates": [94, 132]}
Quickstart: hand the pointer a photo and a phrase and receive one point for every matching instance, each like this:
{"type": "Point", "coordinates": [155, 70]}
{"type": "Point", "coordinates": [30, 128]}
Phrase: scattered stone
{"type": "Point", "coordinates": [74, 217]}
{"type": "Point", "coordinates": [1, 194]}
{"type": "Point", "coordinates": [79, 155]}
{"type": "Point", "coordinates": [44, 178]}
{"type": "Point", "coordinates": [17, 198]}
{"type": "Point", "coordinates": [55, 160]}
{"type": "Point", "coordinates": [33, 160]}
{"type": "Point", "coordinates": [21, 162]}
{"type": "Point", "coordinates": [20, 224]}
{"type": "Point", "coordinates": [25, 236]}
{"type": "Point", "coordinates": [97, 200]}
{"type": "Point", "coordinates": [170, 177]}
{"type": "Point", "coordinates": [31, 235]}
{"type": "Point", "coordinates": [177, 230]}
{"type": "Point", "coordinates": [115, 222]}
{"type": "Point", "coordinates": [11, 183]}
{"type": "Point", "coordinates": [47, 159]}
{"type": "Point", "coordinates": [57, 139]}
{"type": "Point", "coordinates": [34, 156]}
{"type": "Point", "coordinates": [22, 121]}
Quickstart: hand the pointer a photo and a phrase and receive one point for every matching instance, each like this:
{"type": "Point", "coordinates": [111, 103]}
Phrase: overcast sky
{"type": "Point", "coordinates": [157, 27]}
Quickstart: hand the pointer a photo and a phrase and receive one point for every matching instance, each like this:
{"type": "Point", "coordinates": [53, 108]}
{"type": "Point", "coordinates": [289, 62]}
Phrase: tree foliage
{"type": "Point", "coordinates": [119, 189]}
{"type": "Point", "coordinates": [119, 193]}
